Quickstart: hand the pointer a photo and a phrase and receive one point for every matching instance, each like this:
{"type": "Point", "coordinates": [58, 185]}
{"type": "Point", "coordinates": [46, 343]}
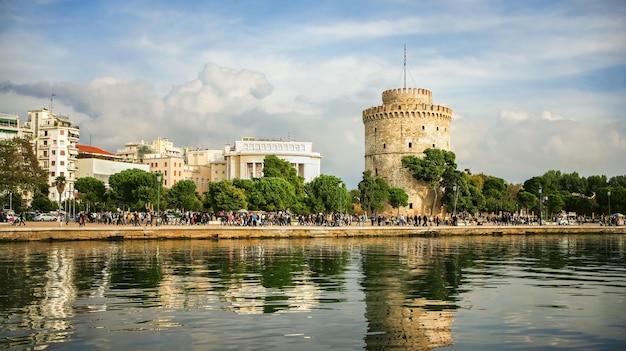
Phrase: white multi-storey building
{"type": "Point", "coordinates": [9, 126]}
{"type": "Point", "coordinates": [54, 139]}
{"type": "Point", "coordinates": [245, 159]}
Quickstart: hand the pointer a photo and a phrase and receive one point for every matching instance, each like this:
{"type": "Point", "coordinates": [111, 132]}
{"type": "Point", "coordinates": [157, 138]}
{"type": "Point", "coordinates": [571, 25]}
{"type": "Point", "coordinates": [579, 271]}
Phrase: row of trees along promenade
{"type": "Point", "coordinates": [281, 189]}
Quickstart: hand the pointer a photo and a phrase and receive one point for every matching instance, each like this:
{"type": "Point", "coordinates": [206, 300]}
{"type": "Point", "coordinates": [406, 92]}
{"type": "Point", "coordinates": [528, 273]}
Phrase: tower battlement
{"type": "Point", "coordinates": [408, 96]}
{"type": "Point", "coordinates": [400, 110]}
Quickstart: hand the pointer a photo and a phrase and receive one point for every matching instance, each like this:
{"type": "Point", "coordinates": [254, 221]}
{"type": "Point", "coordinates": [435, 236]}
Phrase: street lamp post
{"type": "Point", "coordinates": [609, 194]}
{"type": "Point", "coordinates": [158, 214]}
{"type": "Point", "coordinates": [540, 205]}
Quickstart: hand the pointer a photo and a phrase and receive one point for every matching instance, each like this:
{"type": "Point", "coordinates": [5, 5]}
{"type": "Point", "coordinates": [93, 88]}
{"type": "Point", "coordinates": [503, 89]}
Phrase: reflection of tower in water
{"type": "Point", "coordinates": [397, 321]}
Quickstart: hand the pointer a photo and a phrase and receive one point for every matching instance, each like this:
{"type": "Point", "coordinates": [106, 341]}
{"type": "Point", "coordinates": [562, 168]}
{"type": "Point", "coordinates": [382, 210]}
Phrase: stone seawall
{"type": "Point", "coordinates": [103, 232]}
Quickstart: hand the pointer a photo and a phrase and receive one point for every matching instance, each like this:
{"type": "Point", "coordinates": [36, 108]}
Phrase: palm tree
{"type": "Point", "coordinates": [60, 184]}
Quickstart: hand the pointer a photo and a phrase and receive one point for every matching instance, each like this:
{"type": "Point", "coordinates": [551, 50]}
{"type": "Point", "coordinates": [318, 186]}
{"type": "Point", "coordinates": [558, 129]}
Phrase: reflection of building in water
{"type": "Point", "coordinates": [250, 297]}
{"type": "Point", "coordinates": [50, 316]}
{"type": "Point", "coordinates": [242, 293]}
{"type": "Point", "coordinates": [397, 321]}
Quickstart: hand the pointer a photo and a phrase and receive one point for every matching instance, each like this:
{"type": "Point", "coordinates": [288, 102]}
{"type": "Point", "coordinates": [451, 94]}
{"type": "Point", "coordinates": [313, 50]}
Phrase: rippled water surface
{"type": "Point", "coordinates": [470, 293]}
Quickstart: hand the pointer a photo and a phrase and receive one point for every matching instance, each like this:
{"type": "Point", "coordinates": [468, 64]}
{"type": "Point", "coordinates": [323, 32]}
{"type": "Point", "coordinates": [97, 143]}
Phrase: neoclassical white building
{"type": "Point", "coordinates": [245, 158]}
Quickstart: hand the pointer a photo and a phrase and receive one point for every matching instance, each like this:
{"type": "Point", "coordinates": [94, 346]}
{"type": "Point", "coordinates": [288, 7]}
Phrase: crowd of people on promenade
{"type": "Point", "coordinates": [285, 218]}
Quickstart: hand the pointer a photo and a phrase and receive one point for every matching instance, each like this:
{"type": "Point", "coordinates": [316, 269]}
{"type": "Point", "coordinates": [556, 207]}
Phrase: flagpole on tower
{"type": "Point", "coordinates": [405, 66]}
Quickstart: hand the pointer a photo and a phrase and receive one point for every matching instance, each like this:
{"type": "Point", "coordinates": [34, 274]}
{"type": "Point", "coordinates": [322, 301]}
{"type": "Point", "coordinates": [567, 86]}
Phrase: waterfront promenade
{"type": "Point", "coordinates": [51, 231]}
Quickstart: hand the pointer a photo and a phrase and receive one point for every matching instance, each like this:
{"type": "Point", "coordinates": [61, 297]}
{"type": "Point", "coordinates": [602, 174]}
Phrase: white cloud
{"type": "Point", "coordinates": [528, 87]}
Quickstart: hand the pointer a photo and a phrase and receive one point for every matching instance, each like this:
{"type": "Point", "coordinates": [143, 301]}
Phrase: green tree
{"type": "Point", "coordinates": [90, 189]}
{"type": "Point", "coordinates": [554, 204]}
{"type": "Point", "coordinates": [398, 198]}
{"type": "Point", "coordinates": [143, 150]}
{"type": "Point", "coordinates": [42, 203]}
{"type": "Point", "coordinates": [431, 169]}
{"type": "Point", "coordinates": [271, 194]}
{"type": "Point", "coordinates": [183, 196]}
{"type": "Point", "coordinates": [595, 183]}
{"type": "Point", "coordinates": [60, 185]}
{"type": "Point", "coordinates": [19, 169]}
{"type": "Point", "coordinates": [526, 200]}
{"type": "Point", "coordinates": [374, 193]}
{"type": "Point", "coordinates": [274, 167]}
{"type": "Point", "coordinates": [134, 187]}
{"type": "Point", "coordinates": [225, 196]}
{"type": "Point", "coordinates": [327, 193]}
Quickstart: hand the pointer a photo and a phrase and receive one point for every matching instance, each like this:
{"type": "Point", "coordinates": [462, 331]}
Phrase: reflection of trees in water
{"type": "Point", "coordinates": [411, 285]}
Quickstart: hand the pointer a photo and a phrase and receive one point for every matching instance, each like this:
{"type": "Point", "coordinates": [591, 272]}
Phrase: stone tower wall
{"type": "Point", "coordinates": [406, 124]}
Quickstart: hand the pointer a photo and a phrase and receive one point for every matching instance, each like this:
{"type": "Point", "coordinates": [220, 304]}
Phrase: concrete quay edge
{"type": "Point", "coordinates": [72, 232]}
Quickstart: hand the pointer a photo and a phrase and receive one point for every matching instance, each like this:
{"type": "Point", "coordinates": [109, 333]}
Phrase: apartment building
{"type": "Point", "coordinates": [54, 139]}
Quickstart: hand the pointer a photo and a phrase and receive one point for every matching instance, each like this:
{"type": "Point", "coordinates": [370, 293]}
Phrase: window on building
{"type": "Point", "coordinates": [45, 133]}
{"type": "Point", "coordinates": [62, 132]}
{"type": "Point", "coordinates": [384, 146]}
{"type": "Point", "coordinates": [165, 173]}
{"type": "Point", "coordinates": [62, 152]}
{"type": "Point", "coordinates": [52, 174]}
{"type": "Point", "coordinates": [423, 127]}
{"type": "Point", "coordinates": [62, 163]}
{"type": "Point", "coordinates": [376, 172]}
{"type": "Point", "coordinates": [54, 142]}
{"type": "Point", "coordinates": [165, 164]}
{"type": "Point", "coordinates": [433, 145]}
{"type": "Point", "coordinates": [410, 206]}
{"type": "Point", "coordinates": [45, 154]}
{"type": "Point", "coordinates": [62, 174]}
{"type": "Point", "coordinates": [53, 163]}
{"type": "Point", "coordinates": [45, 164]}
{"type": "Point", "coordinates": [45, 143]}
{"type": "Point", "coordinates": [54, 152]}
{"type": "Point", "coordinates": [437, 128]}
{"type": "Point", "coordinates": [410, 144]}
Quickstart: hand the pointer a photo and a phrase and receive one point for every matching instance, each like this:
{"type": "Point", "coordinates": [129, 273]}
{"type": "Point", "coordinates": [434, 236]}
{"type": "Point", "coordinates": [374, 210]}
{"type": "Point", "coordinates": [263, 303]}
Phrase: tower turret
{"type": "Point", "coordinates": [406, 123]}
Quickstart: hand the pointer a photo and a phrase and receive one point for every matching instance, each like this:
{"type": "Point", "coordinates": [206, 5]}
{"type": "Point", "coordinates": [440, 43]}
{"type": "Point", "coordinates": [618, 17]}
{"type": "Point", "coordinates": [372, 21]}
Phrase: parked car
{"type": "Point", "coordinates": [563, 222]}
{"type": "Point", "coordinates": [45, 217]}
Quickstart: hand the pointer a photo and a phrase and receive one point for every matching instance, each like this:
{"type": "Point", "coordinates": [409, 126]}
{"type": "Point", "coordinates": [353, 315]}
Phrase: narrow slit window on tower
{"type": "Point", "coordinates": [376, 172]}
{"type": "Point", "coordinates": [433, 145]}
{"type": "Point", "coordinates": [411, 206]}
{"type": "Point", "coordinates": [384, 146]}
{"type": "Point", "coordinates": [423, 127]}
{"type": "Point", "coordinates": [410, 144]}
{"type": "Point", "coordinates": [437, 128]}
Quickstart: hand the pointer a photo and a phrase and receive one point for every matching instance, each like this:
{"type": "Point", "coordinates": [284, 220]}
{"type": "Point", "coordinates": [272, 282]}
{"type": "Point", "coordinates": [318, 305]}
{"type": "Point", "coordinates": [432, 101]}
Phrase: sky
{"type": "Point", "coordinates": [533, 85]}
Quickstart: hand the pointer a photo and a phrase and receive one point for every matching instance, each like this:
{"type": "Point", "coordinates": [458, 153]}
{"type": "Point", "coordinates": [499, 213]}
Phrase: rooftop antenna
{"type": "Point", "coordinates": [404, 66]}
{"type": "Point", "coordinates": [51, 100]}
